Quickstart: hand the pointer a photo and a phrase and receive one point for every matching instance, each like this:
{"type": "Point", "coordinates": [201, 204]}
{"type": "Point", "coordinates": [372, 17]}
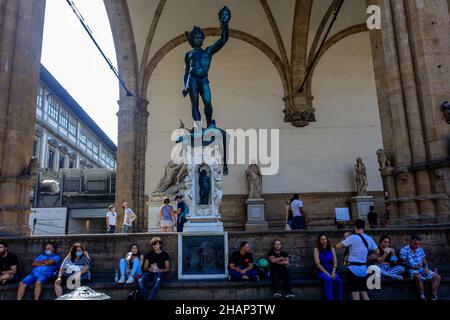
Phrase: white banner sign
{"type": "Point", "coordinates": [48, 221]}
{"type": "Point", "coordinates": [342, 214]}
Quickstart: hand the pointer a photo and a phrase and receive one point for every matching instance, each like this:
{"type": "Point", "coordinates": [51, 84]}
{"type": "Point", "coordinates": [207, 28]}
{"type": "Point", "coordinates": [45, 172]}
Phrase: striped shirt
{"type": "Point", "coordinates": [71, 267]}
{"type": "Point", "coordinates": [411, 258]}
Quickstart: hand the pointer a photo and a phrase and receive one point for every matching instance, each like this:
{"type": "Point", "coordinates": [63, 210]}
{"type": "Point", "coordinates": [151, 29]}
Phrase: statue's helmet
{"type": "Point", "coordinates": [196, 30]}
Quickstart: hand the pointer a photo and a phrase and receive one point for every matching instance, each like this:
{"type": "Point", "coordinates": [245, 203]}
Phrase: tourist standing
{"type": "Point", "coordinates": [298, 213]}
{"type": "Point", "coordinates": [45, 267]}
{"type": "Point", "coordinates": [413, 257]}
{"type": "Point", "coordinates": [372, 217]}
{"type": "Point", "coordinates": [131, 265]}
{"type": "Point", "coordinates": [279, 262]}
{"type": "Point", "coordinates": [75, 267]}
{"type": "Point", "coordinates": [166, 216]}
{"type": "Point", "coordinates": [387, 261]}
{"type": "Point", "coordinates": [111, 219]}
{"type": "Point", "coordinates": [8, 265]}
{"type": "Point", "coordinates": [128, 219]}
{"type": "Point", "coordinates": [240, 266]}
{"type": "Point", "coordinates": [289, 217]}
{"type": "Point", "coordinates": [326, 264]}
{"type": "Point", "coordinates": [182, 212]}
{"type": "Point", "coordinates": [156, 264]}
{"type": "Point", "coordinates": [360, 246]}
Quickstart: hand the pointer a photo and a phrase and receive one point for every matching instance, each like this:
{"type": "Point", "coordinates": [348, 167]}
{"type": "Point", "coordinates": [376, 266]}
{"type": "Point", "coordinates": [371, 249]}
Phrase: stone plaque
{"type": "Point", "coordinates": [256, 212]}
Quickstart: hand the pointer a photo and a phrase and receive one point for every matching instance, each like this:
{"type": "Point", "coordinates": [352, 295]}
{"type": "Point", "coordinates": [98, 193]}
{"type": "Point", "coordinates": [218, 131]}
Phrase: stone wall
{"type": "Point", "coordinates": [318, 206]}
{"type": "Point", "coordinates": [106, 250]}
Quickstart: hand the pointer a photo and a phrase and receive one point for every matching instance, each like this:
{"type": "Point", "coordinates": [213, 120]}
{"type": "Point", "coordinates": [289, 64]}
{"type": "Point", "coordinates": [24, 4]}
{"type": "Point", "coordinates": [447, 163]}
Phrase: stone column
{"type": "Point", "coordinates": [428, 27]}
{"type": "Point", "coordinates": [21, 25]}
{"type": "Point", "coordinates": [411, 61]}
{"type": "Point", "coordinates": [130, 169]}
{"type": "Point", "coordinates": [413, 114]}
{"type": "Point", "coordinates": [394, 127]}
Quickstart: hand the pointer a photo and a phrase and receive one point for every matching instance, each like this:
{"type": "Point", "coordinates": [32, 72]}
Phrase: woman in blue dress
{"type": "Point", "coordinates": [326, 264]}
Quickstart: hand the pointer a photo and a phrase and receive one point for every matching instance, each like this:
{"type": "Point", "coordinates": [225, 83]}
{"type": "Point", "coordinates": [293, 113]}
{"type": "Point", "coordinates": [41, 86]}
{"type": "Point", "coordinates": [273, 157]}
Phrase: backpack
{"type": "Point", "coordinates": [262, 267]}
{"type": "Point", "coordinates": [186, 210]}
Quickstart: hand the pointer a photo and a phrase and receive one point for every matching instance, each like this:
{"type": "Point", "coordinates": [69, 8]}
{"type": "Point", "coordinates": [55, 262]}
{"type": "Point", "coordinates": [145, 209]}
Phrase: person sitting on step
{"type": "Point", "coordinates": [46, 265]}
{"type": "Point", "coordinates": [241, 264]}
{"type": "Point", "coordinates": [413, 257]}
{"type": "Point", "coordinates": [326, 264]}
{"type": "Point", "coordinates": [8, 265]}
{"type": "Point", "coordinates": [156, 264]}
{"type": "Point", "coordinates": [387, 261]}
{"type": "Point", "coordinates": [131, 265]}
{"type": "Point", "coordinates": [279, 262]}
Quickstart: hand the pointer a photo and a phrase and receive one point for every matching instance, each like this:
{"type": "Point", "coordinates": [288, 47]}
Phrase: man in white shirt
{"type": "Point", "coordinates": [361, 247]}
{"type": "Point", "coordinates": [111, 219]}
{"type": "Point", "coordinates": [298, 213]}
{"type": "Point", "coordinates": [129, 217]}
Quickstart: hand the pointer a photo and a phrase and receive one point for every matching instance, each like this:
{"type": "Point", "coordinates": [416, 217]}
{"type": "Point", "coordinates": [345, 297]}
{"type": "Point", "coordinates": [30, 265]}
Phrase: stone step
{"type": "Point", "coordinates": [305, 289]}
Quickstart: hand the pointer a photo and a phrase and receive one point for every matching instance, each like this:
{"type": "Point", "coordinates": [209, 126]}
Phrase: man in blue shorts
{"type": "Point", "coordinates": [45, 267]}
{"type": "Point", "coordinates": [413, 257]}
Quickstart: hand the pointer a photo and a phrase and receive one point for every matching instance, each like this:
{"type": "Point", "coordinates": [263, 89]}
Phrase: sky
{"type": "Point", "coordinates": [72, 58]}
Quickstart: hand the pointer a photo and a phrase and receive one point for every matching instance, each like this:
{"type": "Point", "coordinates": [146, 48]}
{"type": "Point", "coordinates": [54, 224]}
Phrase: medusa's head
{"type": "Point", "coordinates": [196, 37]}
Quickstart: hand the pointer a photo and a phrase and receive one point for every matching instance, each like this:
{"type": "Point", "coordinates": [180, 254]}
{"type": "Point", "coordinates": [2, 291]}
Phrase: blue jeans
{"type": "Point", "coordinates": [252, 273]}
{"type": "Point", "coordinates": [135, 269]}
{"type": "Point", "coordinates": [156, 278]}
{"type": "Point", "coordinates": [112, 229]}
{"type": "Point", "coordinates": [180, 223]}
{"type": "Point", "coordinates": [298, 223]}
{"type": "Point", "coordinates": [333, 288]}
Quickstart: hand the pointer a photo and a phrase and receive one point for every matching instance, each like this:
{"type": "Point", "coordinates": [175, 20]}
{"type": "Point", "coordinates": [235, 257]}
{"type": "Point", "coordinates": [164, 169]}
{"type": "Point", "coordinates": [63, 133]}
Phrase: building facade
{"type": "Point", "coordinates": [65, 135]}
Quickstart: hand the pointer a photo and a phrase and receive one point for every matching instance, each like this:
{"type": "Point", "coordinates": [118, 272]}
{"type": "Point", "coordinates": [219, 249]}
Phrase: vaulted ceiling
{"type": "Point", "coordinates": [288, 31]}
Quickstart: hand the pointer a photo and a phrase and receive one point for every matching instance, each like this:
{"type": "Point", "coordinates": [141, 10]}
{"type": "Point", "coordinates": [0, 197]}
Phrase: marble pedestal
{"type": "Point", "coordinates": [359, 206]}
{"type": "Point", "coordinates": [207, 224]}
{"type": "Point", "coordinates": [255, 215]}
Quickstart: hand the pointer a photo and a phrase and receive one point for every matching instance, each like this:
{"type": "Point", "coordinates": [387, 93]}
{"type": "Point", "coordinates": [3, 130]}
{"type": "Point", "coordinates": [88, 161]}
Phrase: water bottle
{"type": "Point", "coordinates": [116, 278]}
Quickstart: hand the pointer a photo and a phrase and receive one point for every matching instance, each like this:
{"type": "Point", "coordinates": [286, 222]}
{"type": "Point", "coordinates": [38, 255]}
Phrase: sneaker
{"type": "Point", "coordinates": [434, 297]}
{"type": "Point", "coordinates": [121, 280]}
{"type": "Point", "coordinates": [277, 295]}
{"type": "Point", "coordinates": [422, 297]}
{"type": "Point", "coordinates": [257, 278]}
{"type": "Point", "coordinates": [290, 295]}
{"type": "Point", "coordinates": [130, 280]}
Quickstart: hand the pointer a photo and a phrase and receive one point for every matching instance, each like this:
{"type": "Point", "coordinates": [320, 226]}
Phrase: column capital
{"type": "Point", "coordinates": [133, 104]}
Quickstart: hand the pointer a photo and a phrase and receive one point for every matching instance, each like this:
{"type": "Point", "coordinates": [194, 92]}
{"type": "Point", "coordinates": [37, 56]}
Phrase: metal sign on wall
{"type": "Point", "coordinates": [48, 221]}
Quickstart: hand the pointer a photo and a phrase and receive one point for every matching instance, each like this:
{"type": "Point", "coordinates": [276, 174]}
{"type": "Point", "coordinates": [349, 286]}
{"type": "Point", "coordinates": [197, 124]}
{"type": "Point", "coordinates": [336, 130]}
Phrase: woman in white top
{"type": "Point", "coordinates": [111, 219]}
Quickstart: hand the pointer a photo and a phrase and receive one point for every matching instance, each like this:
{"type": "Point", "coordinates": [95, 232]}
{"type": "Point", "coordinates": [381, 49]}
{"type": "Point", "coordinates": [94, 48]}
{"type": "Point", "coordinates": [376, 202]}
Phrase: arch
{"type": "Point", "coordinates": [237, 34]}
{"type": "Point", "coordinates": [332, 41]}
{"type": "Point", "coordinates": [122, 30]}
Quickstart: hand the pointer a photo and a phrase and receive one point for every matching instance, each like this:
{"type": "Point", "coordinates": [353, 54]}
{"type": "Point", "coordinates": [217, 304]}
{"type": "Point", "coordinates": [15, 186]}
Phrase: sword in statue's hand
{"type": "Point", "coordinates": [186, 86]}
